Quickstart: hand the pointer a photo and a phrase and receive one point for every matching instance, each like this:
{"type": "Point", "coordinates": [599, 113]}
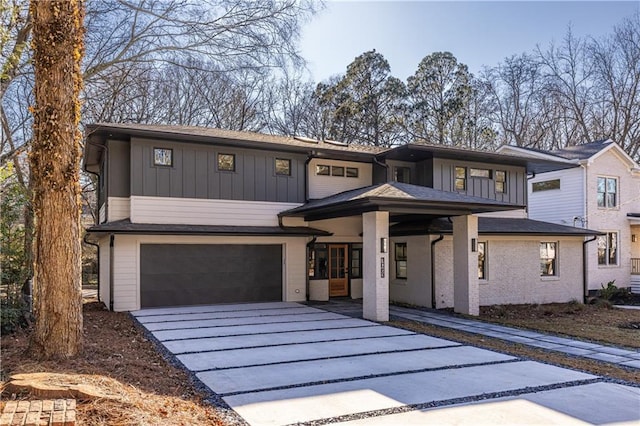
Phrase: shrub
{"type": "Point", "coordinates": [608, 292]}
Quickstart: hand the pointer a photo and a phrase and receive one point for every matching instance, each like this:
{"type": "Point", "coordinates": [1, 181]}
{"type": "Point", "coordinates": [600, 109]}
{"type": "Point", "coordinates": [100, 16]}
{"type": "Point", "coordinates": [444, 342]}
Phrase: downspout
{"type": "Point", "coordinates": [385, 165]}
{"type": "Point", "coordinates": [585, 283]}
{"type": "Point", "coordinates": [310, 245]}
{"type": "Point", "coordinates": [306, 176]}
{"type": "Point", "coordinates": [433, 270]}
{"type": "Point", "coordinates": [97, 246]}
{"type": "Point", "coordinates": [526, 192]}
{"type": "Point", "coordinates": [111, 251]}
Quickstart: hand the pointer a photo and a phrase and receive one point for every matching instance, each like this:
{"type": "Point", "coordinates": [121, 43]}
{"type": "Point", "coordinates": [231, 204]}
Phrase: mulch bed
{"type": "Point", "coordinates": [140, 387]}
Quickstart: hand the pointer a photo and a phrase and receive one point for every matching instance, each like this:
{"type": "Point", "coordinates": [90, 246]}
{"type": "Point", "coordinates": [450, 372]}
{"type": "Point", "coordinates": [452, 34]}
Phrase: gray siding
{"type": "Point", "coordinates": [118, 174]}
{"type": "Point", "coordinates": [424, 173]}
{"type": "Point", "coordinates": [194, 173]}
{"type": "Point", "coordinates": [516, 191]}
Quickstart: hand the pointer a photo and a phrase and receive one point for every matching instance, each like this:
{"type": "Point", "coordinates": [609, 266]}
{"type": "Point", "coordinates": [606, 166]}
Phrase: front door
{"type": "Point", "coordinates": [338, 272]}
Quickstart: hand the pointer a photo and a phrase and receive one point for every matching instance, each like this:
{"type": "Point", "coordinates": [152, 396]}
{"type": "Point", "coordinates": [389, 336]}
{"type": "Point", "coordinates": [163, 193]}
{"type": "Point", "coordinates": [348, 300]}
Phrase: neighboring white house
{"type": "Point", "coordinates": [602, 194]}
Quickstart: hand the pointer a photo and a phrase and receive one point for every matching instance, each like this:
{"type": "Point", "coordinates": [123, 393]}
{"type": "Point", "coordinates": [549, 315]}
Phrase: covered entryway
{"type": "Point", "coordinates": [196, 274]}
{"type": "Point", "coordinates": [338, 272]}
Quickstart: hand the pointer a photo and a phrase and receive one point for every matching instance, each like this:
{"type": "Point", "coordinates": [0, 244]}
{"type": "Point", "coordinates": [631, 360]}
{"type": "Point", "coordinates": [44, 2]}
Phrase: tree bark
{"type": "Point", "coordinates": [55, 162]}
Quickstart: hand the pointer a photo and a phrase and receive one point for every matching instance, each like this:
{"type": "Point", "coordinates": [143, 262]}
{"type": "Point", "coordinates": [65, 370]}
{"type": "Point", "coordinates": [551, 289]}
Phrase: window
{"type": "Point", "coordinates": [607, 191]}
{"type": "Point", "coordinates": [548, 259]}
{"type": "Point", "coordinates": [461, 178]}
{"type": "Point", "coordinates": [546, 185]}
{"type": "Point", "coordinates": [480, 173]}
{"type": "Point", "coordinates": [356, 261]}
{"type": "Point", "coordinates": [482, 260]}
{"type": "Point", "coordinates": [318, 262]}
{"type": "Point", "coordinates": [163, 157]}
{"type": "Point", "coordinates": [401, 260]}
{"type": "Point", "coordinates": [337, 171]}
{"type": "Point", "coordinates": [352, 172]}
{"type": "Point", "coordinates": [322, 170]}
{"type": "Point", "coordinates": [402, 174]}
{"type": "Point", "coordinates": [227, 162]}
{"type": "Point", "coordinates": [283, 167]}
{"type": "Point", "coordinates": [608, 249]}
{"type": "Point", "coordinates": [501, 181]}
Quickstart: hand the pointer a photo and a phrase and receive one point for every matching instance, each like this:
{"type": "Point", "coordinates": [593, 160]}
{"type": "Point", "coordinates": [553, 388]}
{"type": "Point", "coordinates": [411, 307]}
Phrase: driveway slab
{"type": "Point", "coordinates": [307, 351]}
{"type": "Point", "coordinates": [283, 363]}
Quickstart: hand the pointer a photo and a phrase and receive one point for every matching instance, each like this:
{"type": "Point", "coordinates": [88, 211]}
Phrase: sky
{"type": "Point", "coordinates": [478, 33]}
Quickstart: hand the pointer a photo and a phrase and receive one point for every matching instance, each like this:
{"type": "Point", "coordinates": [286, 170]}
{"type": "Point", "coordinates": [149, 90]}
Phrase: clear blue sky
{"type": "Point", "coordinates": [477, 32]}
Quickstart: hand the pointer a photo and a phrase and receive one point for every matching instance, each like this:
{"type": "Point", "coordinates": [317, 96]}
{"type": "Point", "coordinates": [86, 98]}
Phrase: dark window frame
{"type": "Point", "coordinates": [400, 257]}
{"type": "Point", "coordinates": [460, 180]}
{"type": "Point", "coordinates": [233, 162]}
{"type": "Point", "coordinates": [352, 170]}
{"type": "Point", "coordinates": [501, 183]}
{"type": "Point", "coordinates": [482, 263]}
{"type": "Point", "coordinates": [318, 266]}
{"type": "Point", "coordinates": [337, 171]}
{"type": "Point", "coordinates": [404, 177]}
{"type": "Point", "coordinates": [355, 272]}
{"type": "Point", "coordinates": [606, 202]}
{"type": "Point", "coordinates": [288, 170]}
{"type": "Point", "coordinates": [608, 244]}
{"type": "Point", "coordinates": [156, 163]}
{"type": "Point", "coordinates": [473, 173]}
{"type": "Point", "coordinates": [549, 265]}
{"type": "Point", "coordinates": [323, 170]}
{"type": "Point", "coordinates": [545, 185]}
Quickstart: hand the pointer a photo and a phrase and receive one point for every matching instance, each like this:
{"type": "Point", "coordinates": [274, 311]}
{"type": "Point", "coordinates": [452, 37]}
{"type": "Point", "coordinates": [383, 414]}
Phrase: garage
{"type": "Point", "coordinates": [196, 274]}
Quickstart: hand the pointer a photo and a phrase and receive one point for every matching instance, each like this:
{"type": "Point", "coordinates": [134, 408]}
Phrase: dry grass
{"type": "Point", "coordinates": [597, 322]}
{"type": "Point", "coordinates": [515, 349]}
{"type": "Point", "coordinates": [139, 386]}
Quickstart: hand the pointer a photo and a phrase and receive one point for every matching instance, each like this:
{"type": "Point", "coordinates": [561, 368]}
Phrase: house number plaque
{"type": "Point", "coordinates": [382, 267]}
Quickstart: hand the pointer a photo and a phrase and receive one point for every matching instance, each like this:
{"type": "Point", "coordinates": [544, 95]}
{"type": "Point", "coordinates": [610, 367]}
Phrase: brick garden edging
{"type": "Point", "coordinates": [50, 412]}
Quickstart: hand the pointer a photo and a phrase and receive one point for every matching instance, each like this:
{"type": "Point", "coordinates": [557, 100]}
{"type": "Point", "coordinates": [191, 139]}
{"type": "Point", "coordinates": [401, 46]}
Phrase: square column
{"type": "Point", "coordinates": [466, 297]}
{"type": "Point", "coordinates": [375, 297]}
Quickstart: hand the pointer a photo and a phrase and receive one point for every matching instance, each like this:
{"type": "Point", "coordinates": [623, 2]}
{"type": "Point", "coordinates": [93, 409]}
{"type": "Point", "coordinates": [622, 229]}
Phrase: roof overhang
{"type": "Point", "coordinates": [402, 201]}
{"type": "Point", "coordinates": [532, 163]}
{"type": "Point", "coordinates": [126, 227]}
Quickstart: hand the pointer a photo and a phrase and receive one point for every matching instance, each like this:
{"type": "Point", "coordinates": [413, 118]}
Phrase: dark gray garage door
{"type": "Point", "coordinates": [196, 274]}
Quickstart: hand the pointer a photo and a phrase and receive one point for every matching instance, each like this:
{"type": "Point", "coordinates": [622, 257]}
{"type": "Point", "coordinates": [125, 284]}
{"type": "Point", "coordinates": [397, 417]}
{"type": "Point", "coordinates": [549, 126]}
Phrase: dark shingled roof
{"type": "Point", "coordinates": [126, 227]}
{"type": "Point", "coordinates": [402, 193]}
{"type": "Point", "coordinates": [493, 226]}
{"type": "Point", "coordinates": [582, 151]}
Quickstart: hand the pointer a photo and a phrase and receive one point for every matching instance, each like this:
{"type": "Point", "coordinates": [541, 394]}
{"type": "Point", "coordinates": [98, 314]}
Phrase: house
{"type": "Point", "coordinates": [193, 215]}
{"type": "Point", "coordinates": [602, 193]}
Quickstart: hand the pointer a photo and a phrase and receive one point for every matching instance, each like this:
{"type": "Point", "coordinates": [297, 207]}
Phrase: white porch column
{"type": "Point", "coordinates": [375, 297]}
{"type": "Point", "coordinates": [466, 297]}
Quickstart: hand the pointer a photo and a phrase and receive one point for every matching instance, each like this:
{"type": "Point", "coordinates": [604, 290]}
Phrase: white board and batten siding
{"type": "Point", "coordinates": [562, 205]}
{"type": "Point", "coordinates": [196, 211]}
{"type": "Point", "coordinates": [119, 208]}
{"type": "Point", "coordinates": [324, 186]}
{"type": "Point", "coordinates": [126, 277]}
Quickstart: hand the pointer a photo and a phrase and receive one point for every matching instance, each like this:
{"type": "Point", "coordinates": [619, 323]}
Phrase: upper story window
{"type": "Point", "coordinates": [482, 260]}
{"type": "Point", "coordinates": [607, 192]}
{"type": "Point", "coordinates": [401, 260]}
{"type": "Point", "coordinates": [283, 167]}
{"type": "Point", "coordinates": [402, 174]}
{"type": "Point", "coordinates": [323, 170]}
{"type": "Point", "coordinates": [545, 185]}
{"type": "Point", "coordinates": [352, 172]}
{"type": "Point", "coordinates": [337, 171]}
{"type": "Point", "coordinates": [163, 157]}
{"type": "Point", "coordinates": [501, 181]}
{"type": "Point", "coordinates": [548, 259]}
{"type": "Point", "coordinates": [480, 173]}
{"type": "Point", "coordinates": [608, 249]}
{"type": "Point", "coordinates": [461, 179]}
{"type": "Point", "coordinates": [227, 162]}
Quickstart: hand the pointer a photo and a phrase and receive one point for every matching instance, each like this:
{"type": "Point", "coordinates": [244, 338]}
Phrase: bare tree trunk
{"type": "Point", "coordinates": [55, 159]}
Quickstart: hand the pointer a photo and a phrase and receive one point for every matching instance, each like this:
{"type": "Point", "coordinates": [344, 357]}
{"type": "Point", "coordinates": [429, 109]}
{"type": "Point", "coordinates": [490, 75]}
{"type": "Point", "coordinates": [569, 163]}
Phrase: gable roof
{"type": "Point", "coordinates": [582, 151]}
{"type": "Point", "coordinates": [493, 226]}
{"type": "Point", "coordinates": [397, 198]}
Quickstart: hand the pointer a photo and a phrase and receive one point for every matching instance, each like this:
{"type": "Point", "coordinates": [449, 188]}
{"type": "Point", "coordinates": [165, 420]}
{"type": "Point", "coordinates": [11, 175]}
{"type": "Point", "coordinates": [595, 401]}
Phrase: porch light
{"type": "Point", "coordinates": [633, 238]}
{"type": "Point", "coordinates": [383, 245]}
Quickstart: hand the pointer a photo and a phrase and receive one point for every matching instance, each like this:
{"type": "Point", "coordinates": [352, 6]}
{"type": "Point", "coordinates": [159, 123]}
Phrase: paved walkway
{"type": "Point", "coordinates": [610, 354]}
{"type": "Point", "coordinates": [285, 363]}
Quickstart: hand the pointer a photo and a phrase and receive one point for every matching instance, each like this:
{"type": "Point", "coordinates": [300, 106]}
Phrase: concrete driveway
{"type": "Point", "coordinates": [282, 363]}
